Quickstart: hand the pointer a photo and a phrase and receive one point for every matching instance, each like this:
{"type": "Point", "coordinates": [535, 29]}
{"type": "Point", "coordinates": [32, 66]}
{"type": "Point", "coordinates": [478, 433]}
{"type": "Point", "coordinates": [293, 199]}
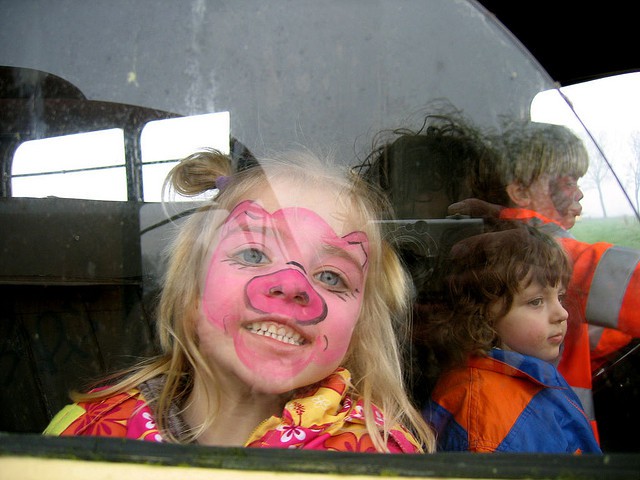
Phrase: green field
{"type": "Point", "coordinates": [623, 231]}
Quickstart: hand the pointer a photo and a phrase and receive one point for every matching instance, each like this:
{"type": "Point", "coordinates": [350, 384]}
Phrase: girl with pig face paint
{"type": "Point", "coordinates": [300, 286]}
{"type": "Point", "coordinates": [278, 320]}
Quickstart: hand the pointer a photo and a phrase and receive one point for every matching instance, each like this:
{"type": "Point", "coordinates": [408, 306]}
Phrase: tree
{"type": "Point", "coordinates": [598, 170]}
{"type": "Point", "coordinates": [634, 168]}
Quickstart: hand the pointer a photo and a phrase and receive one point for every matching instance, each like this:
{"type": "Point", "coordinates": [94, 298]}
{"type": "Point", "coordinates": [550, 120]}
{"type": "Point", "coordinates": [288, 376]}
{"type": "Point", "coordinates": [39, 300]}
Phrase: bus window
{"type": "Point", "coordinates": [87, 165]}
{"type": "Point", "coordinates": [165, 141]}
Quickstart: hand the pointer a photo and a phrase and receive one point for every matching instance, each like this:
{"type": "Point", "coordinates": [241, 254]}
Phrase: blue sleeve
{"type": "Point", "coordinates": [451, 437]}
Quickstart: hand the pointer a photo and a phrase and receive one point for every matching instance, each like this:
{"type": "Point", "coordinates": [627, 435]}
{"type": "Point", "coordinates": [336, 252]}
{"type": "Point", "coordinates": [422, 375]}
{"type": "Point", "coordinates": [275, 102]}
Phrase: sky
{"type": "Point", "coordinates": [610, 109]}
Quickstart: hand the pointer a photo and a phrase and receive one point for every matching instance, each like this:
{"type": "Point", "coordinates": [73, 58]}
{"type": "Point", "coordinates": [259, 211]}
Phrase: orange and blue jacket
{"type": "Point", "coordinates": [603, 301]}
{"type": "Point", "coordinates": [508, 402]}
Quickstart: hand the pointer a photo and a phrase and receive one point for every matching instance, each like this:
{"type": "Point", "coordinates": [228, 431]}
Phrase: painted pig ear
{"type": "Point", "coordinates": [246, 213]}
{"type": "Point", "coordinates": [361, 241]}
{"type": "Point", "coordinates": [249, 208]}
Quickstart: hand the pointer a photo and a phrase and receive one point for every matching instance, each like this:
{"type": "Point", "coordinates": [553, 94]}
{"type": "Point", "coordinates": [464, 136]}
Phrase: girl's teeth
{"type": "Point", "coordinates": [279, 333]}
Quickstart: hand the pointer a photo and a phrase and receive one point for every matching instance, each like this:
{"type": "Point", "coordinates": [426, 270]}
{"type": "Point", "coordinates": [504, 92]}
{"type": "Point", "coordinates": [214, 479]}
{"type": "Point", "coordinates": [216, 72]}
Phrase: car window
{"type": "Point", "coordinates": [608, 108]}
{"type": "Point", "coordinates": [99, 100]}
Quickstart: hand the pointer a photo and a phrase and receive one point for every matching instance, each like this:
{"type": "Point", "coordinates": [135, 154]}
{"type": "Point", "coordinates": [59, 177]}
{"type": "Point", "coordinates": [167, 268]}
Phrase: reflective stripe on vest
{"type": "Point", "coordinates": [551, 229]}
{"type": "Point", "coordinates": [586, 398]}
{"type": "Point", "coordinates": [609, 285]}
{"type": "Point", "coordinates": [595, 334]}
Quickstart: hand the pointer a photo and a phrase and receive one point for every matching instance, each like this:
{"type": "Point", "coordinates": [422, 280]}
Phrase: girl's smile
{"type": "Point", "coordinates": [277, 331]}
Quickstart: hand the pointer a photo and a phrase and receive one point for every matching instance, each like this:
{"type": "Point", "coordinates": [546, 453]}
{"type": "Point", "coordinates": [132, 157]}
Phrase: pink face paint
{"type": "Point", "coordinates": [288, 293]}
{"type": "Point", "coordinates": [286, 289]}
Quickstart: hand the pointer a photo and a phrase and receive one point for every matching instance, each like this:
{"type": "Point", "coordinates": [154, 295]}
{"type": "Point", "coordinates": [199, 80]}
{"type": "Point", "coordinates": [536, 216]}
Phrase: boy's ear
{"type": "Point", "coordinates": [519, 194]}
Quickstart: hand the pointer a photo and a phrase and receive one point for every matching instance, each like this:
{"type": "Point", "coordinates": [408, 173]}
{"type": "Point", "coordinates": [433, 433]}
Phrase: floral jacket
{"type": "Point", "coordinates": [324, 417]}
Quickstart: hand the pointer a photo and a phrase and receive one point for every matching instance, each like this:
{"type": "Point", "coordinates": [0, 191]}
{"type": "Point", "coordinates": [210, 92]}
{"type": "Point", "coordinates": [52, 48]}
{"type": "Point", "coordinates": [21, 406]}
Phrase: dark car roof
{"type": "Point", "coordinates": [574, 41]}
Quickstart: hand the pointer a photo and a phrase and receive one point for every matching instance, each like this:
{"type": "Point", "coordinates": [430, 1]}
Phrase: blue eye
{"type": "Point", "coordinates": [253, 256]}
{"type": "Point", "coordinates": [330, 278]}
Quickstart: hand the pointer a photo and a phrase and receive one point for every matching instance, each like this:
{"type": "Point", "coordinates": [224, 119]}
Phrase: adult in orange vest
{"type": "Point", "coordinates": [535, 181]}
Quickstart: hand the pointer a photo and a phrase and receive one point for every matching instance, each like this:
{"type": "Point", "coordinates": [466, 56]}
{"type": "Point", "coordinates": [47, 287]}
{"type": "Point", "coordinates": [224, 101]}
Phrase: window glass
{"type": "Point", "coordinates": [609, 109]}
{"type": "Point", "coordinates": [85, 165]}
{"type": "Point", "coordinates": [166, 141]}
{"type": "Point", "coordinates": [155, 81]}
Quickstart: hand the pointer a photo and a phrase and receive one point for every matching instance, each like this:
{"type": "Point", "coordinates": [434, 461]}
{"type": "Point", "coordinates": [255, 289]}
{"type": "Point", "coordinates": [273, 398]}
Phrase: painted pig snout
{"type": "Point", "coordinates": [289, 293]}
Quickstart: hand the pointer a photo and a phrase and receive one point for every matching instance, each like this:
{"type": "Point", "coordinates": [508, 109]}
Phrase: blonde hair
{"type": "Point", "coordinates": [526, 151]}
{"type": "Point", "coordinates": [540, 148]}
{"type": "Point", "coordinates": [375, 355]}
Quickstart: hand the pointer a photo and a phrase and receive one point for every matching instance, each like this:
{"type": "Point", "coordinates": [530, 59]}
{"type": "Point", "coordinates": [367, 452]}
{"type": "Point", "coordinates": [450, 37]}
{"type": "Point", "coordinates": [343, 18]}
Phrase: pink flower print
{"type": "Point", "coordinates": [151, 436]}
{"type": "Point", "coordinates": [150, 422]}
{"type": "Point", "coordinates": [377, 414]}
{"type": "Point", "coordinates": [346, 404]}
{"type": "Point", "coordinates": [291, 432]}
{"type": "Point", "coordinates": [142, 425]}
{"type": "Point", "coordinates": [357, 413]}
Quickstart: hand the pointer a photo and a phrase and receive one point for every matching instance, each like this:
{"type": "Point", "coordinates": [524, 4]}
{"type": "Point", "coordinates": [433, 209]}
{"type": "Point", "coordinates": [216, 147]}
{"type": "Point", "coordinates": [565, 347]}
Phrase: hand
{"type": "Point", "coordinates": [474, 207]}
